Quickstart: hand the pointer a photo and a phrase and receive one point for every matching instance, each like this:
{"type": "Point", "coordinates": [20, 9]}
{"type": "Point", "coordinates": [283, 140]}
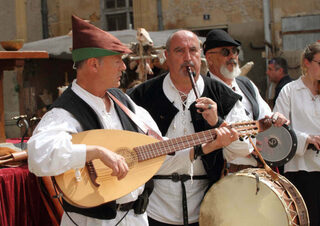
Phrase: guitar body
{"type": "Point", "coordinates": [83, 193]}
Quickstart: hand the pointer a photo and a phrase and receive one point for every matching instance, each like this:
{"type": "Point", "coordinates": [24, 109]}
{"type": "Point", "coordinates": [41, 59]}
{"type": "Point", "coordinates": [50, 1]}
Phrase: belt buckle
{"type": "Point", "coordinates": [175, 177]}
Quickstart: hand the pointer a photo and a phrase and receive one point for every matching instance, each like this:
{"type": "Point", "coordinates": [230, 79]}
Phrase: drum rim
{"type": "Point", "coordinates": [249, 173]}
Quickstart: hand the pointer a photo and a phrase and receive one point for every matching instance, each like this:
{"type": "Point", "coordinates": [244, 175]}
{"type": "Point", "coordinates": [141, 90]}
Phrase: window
{"type": "Point", "coordinates": [116, 21]}
{"type": "Point", "coordinates": [117, 14]}
{"type": "Point", "coordinates": [121, 3]}
{"type": "Point", "coordinates": [298, 31]}
{"type": "Point", "coordinates": [112, 4]}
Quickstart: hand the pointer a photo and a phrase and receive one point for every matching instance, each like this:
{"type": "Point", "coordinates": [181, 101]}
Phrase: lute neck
{"type": "Point", "coordinates": [165, 147]}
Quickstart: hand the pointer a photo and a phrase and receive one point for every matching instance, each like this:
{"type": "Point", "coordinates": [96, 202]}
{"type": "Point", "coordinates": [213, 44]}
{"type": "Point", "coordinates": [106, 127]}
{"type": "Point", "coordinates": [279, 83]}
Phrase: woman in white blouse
{"type": "Point", "coordinates": [300, 102]}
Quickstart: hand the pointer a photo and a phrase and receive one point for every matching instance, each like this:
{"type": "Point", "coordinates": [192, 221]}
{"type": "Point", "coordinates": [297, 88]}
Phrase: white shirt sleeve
{"type": "Point", "coordinates": [237, 148]}
{"type": "Point", "coordinates": [50, 149]}
{"type": "Point", "coordinates": [283, 105]}
{"type": "Point", "coordinates": [51, 140]}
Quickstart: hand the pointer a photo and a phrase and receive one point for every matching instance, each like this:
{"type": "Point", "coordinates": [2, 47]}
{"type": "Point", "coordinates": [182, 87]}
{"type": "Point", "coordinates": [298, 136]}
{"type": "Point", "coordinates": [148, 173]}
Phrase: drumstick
{"type": "Point", "coordinates": [273, 175]}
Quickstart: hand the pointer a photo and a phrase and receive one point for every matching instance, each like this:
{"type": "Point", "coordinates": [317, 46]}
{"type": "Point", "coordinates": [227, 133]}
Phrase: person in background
{"type": "Point", "coordinates": [221, 52]}
{"type": "Point", "coordinates": [85, 105]}
{"type": "Point", "coordinates": [181, 182]}
{"type": "Point", "coordinates": [278, 74]}
{"type": "Point", "coordinates": [300, 101]}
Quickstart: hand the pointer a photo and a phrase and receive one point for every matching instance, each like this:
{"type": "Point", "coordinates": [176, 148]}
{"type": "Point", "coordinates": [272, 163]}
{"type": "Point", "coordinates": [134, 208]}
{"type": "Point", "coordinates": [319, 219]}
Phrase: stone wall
{"type": "Point", "coordinates": [242, 18]}
{"type": "Point", "coordinates": [60, 12]}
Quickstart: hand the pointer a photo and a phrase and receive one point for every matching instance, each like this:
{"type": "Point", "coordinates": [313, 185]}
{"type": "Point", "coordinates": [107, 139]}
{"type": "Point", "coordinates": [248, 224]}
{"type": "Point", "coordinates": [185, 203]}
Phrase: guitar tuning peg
{"type": "Point", "coordinates": [241, 138]}
{"type": "Point", "coordinates": [253, 136]}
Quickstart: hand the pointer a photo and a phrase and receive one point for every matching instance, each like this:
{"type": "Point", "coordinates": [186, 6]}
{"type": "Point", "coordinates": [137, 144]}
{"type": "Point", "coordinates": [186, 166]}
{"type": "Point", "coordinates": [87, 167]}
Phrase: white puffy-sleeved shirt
{"type": "Point", "coordinates": [242, 111]}
{"type": "Point", "coordinates": [165, 203]}
{"type": "Point", "coordinates": [166, 199]}
{"type": "Point", "coordinates": [297, 103]}
{"type": "Point", "coordinates": [51, 151]}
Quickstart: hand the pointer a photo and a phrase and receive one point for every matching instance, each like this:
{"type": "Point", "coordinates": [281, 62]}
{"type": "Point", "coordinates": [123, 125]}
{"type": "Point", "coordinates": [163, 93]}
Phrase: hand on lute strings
{"type": "Point", "coordinates": [225, 136]}
{"type": "Point", "coordinates": [114, 161]}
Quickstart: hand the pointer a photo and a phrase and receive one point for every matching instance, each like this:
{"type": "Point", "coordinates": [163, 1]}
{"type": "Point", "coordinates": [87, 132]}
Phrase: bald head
{"type": "Point", "coordinates": [182, 51]}
{"type": "Point", "coordinates": [179, 35]}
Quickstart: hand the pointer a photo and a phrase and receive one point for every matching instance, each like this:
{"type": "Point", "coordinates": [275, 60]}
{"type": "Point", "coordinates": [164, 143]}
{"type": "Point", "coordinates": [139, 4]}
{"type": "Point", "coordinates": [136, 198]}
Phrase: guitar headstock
{"type": "Point", "coordinates": [251, 128]}
{"type": "Point", "coordinates": [247, 128]}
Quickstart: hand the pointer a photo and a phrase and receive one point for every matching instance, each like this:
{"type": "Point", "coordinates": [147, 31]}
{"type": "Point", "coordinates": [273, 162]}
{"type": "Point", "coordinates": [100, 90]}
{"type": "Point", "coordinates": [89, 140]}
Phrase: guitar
{"type": "Point", "coordinates": [144, 156]}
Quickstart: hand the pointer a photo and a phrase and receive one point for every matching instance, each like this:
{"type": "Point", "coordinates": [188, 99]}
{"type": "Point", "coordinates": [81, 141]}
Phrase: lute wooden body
{"type": "Point", "coordinates": [144, 156]}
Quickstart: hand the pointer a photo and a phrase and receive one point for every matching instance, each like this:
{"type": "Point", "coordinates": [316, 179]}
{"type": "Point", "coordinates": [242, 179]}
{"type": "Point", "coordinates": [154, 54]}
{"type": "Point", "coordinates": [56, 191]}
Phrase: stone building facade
{"type": "Point", "coordinates": [291, 24]}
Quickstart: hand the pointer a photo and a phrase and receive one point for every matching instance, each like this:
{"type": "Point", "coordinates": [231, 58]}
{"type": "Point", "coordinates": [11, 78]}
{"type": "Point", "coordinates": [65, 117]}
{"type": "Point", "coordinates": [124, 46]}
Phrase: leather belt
{"type": "Point", "coordinates": [233, 168]}
{"type": "Point", "coordinates": [175, 177]}
{"type": "Point", "coordinates": [125, 206]}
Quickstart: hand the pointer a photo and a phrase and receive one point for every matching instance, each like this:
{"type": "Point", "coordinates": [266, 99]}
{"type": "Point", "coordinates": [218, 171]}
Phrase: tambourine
{"type": "Point", "coordinates": [278, 145]}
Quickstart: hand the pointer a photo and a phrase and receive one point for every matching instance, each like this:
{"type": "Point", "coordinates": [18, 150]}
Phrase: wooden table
{"type": "Point", "coordinates": [14, 60]}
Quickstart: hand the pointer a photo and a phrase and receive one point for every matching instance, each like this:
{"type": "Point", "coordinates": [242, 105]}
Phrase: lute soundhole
{"type": "Point", "coordinates": [130, 156]}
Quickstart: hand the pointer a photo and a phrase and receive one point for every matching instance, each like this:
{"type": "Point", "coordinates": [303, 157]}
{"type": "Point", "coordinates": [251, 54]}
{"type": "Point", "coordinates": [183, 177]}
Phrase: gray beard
{"type": "Point", "coordinates": [230, 74]}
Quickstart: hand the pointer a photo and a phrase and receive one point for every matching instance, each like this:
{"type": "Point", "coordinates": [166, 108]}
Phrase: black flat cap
{"type": "Point", "coordinates": [217, 38]}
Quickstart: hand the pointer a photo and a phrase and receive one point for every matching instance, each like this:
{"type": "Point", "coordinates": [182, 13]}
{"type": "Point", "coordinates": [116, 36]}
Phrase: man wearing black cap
{"type": "Point", "coordinates": [221, 52]}
{"type": "Point", "coordinates": [85, 106]}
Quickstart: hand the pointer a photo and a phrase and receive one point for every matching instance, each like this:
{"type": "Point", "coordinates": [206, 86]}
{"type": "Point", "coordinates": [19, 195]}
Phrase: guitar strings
{"type": "Point", "coordinates": [146, 151]}
{"type": "Point", "coordinates": [149, 150]}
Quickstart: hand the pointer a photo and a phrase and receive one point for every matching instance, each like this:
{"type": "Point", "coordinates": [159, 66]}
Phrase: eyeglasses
{"type": "Point", "coordinates": [226, 52]}
{"type": "Point", "coordinates": [316, 62]}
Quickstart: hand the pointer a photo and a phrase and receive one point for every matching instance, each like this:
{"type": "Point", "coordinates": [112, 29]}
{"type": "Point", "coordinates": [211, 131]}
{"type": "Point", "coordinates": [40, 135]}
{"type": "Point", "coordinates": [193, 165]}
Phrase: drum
{"type": "Point", "coordinates": [251, 198]}
{"type": "Point", "coordinates": [278, 145]}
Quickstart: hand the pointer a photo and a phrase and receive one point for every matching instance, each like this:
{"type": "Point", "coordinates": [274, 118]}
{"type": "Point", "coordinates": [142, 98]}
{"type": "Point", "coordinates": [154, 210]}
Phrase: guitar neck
{"type": "Point", "coordinates": [165, 147]}
{"type": "Point", "coordinates": [160, 148]}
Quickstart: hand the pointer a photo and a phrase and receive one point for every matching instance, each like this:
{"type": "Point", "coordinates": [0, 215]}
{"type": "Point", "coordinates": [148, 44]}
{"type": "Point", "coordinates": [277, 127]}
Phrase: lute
{"type": "Point", "coordinates": [144, 156]}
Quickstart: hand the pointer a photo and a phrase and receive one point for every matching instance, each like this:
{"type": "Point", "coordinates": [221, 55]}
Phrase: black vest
{"type": "Point", "coordinates": [150, 96]}
{"type": "Point", "coordinates": [247, 88]}
{"type": "Point", "coordinates": [88, 119]}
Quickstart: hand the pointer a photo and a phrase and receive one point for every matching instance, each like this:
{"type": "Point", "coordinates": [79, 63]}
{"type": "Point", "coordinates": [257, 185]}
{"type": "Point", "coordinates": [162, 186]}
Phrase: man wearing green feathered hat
{"type": "Point", "coordinates": [86, 106]}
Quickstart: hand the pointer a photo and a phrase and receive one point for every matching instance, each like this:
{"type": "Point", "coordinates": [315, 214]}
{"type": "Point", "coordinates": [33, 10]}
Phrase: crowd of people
{"type": "Point", "coordinates": [172, 106]}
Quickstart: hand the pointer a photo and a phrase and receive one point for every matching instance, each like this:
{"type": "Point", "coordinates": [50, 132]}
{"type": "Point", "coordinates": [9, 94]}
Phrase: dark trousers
{"type": "Point", "coordinates": [308, 184]}
{"type": "Point", "coordinates": [153, 222]}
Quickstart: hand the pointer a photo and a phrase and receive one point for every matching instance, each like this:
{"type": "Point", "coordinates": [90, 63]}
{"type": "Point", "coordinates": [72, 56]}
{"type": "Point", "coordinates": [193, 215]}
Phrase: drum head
{"type": "Point", "coordinates": [233, 201]}
{"type": "Point", "coordinates": [278, 145]}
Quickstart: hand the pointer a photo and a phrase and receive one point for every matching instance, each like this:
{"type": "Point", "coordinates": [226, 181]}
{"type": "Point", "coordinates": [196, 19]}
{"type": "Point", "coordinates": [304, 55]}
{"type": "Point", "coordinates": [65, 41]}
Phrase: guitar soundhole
{"type": "Point", "coordinates": [130, 156]}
